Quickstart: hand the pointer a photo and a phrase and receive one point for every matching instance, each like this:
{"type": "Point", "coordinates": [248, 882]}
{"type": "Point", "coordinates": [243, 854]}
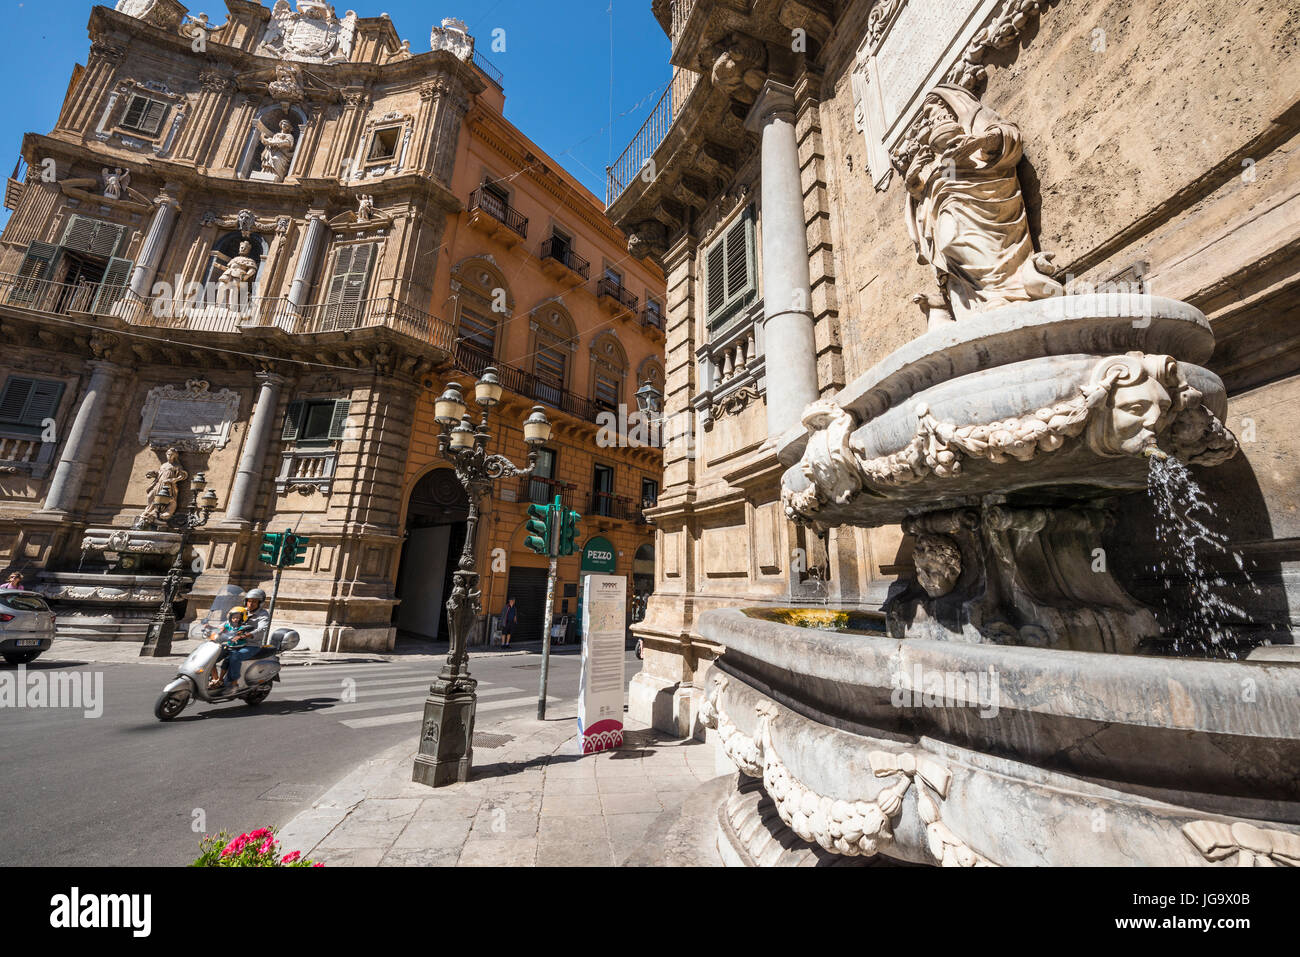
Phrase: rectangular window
{"type": "Point", "coordinates": [649, 493]}
{"type": "Point", "coordinates": [144, 115]}
{"type": "Point", "coordinates": [383, 144]}
{"type": "Point", "coordinates": [345, 297]}
{"type": "Point", "coordinates": [316, 421]}
{"type": "Point", "coordinates": [478, 331]}
{"type": "Point", "coordinates": [26, 403]}
{"type": "Point", "coordinates": [730, 271]}
{"type": "Point", "coordinates": [602, 487]}
{"type": "Point", "coordinates": [607, 390]}
{"type": "Point", "coordinates": [495, 201]}
{"type": "Point", "coordinates": [94, 237]}
{"type": "Point", "coordinates": [540, 490]}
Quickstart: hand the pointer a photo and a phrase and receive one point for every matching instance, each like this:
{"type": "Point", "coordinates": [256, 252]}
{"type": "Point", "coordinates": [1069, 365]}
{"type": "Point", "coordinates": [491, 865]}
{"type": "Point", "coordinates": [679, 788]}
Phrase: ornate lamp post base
{"type": "Point", "coordinates": [446, 742]}
{"type": "Point", "coordinates": [158, 640]}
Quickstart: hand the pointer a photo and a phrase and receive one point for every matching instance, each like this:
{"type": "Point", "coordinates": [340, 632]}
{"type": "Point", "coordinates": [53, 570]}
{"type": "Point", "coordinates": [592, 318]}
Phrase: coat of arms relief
{"type": "Point", "coordinates": [312, 34]}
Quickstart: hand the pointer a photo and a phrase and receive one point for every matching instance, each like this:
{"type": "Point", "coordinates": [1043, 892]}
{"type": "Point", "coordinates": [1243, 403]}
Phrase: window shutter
{"type": "Point", "coordinates": [35, 268]}
{"type": "Point", "coordinates": [731, 271]}
{"type": "Point", "coordinates": [347, 287]}
{"type": "Point", "coordinates": [113, 288]}
{"type": "Point", "coordinates": [135, 108]}
{"type": "Point", "coordinates": [43, 402]}
{"type": "Point", "coordinates": [153, 117]}
{"type": "Point", "coordinates": [293, 420]}
{"type": "Point", "coordinates": [93, 236]}
{"type": "Point", "coordinates": [339, 422]}
{"type": "Point", "coordinates": [14, 400]}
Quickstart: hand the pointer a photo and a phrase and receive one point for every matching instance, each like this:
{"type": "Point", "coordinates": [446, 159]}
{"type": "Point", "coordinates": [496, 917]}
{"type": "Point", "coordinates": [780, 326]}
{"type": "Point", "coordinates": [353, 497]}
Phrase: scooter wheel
{"type": "Point", "coordinates": [170, 704]}
{"type": "Point", "coordinates": [257, 695]}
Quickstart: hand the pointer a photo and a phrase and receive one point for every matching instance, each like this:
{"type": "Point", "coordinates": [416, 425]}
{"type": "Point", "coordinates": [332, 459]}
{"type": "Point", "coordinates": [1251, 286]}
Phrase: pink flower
{"type": "Point", "coordinates": [318, 865]}
{"type": "Point", "coordinates": [290, 858]}
{"type": "Point", "coordinates": [267, 845]}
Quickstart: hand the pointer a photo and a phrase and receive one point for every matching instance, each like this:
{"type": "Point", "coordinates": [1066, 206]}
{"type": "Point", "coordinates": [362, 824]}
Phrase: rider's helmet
{"type": "Point", "coordinates": [238, 612]}
{"type": "Point", "coordinates": [255, 594]}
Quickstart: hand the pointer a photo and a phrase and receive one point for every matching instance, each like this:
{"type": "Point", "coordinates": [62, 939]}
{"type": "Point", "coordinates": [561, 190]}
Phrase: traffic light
{"type": "Point", "coordinates": [271, 545]}
{"type": "Point", "coordinates": [569, 532]}
{"type": "Point", "coordinates": [538, 527]}
{"type": "Point", "coordinates": [295, 548]}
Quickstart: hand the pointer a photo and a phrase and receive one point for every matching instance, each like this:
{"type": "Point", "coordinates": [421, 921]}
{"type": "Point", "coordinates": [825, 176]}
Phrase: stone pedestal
{"type": "Point", "coordinates": [446, 742]}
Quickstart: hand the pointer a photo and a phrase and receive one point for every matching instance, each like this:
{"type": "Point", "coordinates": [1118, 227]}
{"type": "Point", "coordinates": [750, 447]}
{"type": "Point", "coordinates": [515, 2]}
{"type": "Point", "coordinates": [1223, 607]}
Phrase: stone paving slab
{"type": "Point", "coordinates": [536, 802]}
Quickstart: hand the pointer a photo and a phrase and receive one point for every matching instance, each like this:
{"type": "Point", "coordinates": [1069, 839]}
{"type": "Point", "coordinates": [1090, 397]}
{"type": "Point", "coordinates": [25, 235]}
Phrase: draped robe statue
{"type": "Point", "coordinates": [965, 211]}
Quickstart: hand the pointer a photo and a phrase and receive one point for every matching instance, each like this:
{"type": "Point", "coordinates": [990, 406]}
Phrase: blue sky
{"type": "Point", "coordinates": [557, 66]}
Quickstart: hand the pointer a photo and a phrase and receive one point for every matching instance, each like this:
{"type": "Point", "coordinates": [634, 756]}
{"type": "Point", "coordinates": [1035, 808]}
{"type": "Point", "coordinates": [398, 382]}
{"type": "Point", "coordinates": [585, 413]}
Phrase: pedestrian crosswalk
{"type": "Point", "coordinates": [382, 694]}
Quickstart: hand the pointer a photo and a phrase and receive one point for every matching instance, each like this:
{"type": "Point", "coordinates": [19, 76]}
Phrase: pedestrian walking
{"type": "Point", "coordinates": [509, 618]}
{"type": "Point", "coordinates": [15, 581]}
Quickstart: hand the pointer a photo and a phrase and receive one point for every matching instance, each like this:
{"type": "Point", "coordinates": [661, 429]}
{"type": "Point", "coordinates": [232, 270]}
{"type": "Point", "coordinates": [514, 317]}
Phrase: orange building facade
{"type": "Point", "coordinates": [540, 285]}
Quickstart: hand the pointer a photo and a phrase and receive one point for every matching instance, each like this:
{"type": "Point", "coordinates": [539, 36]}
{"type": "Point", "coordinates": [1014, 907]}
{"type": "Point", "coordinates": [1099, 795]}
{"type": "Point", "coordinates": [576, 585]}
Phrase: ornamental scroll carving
{"type": "Point", "coordinates": [1130, 404]}
{"type": "Point", "coordinates": [856, 828]}
{"type": "Point", "coordinates": [1246, 844]}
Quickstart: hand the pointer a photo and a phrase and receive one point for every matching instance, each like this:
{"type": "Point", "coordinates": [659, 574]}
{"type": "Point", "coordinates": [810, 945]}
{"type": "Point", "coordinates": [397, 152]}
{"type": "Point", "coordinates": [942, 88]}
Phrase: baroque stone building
{"type": "Point", "coordinates": [1158, 156]}
{"type": "Point", "coordinates": [234, 244]}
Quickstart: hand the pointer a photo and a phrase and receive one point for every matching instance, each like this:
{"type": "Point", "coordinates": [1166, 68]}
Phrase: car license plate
{"type": "Point", "coordinates": [29, 643]}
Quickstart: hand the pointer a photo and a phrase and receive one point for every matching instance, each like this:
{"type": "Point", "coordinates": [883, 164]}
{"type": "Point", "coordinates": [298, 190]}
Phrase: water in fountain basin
{"type": "Point", "coordinates": [1191, 547]}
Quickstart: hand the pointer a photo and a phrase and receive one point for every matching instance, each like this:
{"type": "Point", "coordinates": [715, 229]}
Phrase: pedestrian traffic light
{"type": "Point", "coordinates": [295, 548]}
{"type": "Point", "coordinates": [569, 520]}
{"type": "Point", "coordinates": [271, 546]}
{"type": "Point", "coordinates": [538, 527]}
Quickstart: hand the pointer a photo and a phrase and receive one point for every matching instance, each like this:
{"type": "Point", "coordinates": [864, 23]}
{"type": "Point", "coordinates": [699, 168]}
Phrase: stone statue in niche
{"type": "Point", "coordinates": [233, 285]}
{"type": "Point", "coordinates": [167, 477]}
{"type": "Point", "coordinates": [965, 211]}
{"type": "Point", "coordinates": [277, 149]}
{"type": "Point", "coordinates": [365, 208]}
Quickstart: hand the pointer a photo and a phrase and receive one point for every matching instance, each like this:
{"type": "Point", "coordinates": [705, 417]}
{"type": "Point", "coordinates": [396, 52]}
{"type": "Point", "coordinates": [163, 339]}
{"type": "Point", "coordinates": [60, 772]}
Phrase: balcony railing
{"type": "Point", "coordinates": [498, 209]}
{"type": "Point", "coordinates": [42, 295]}
{"type": "Point", "coordinates": [653, 318]}
{"type": "Point", "coordinates": [681, 13]}
{"type": "Point", "coordinates": [473, 361]}
{"type": "Point", "coordinates": [542, 491]}
{"type": "Point", "coordinates": [617, 507]}
{"type": "Point", "coordinates": [626, 168]}
{"type": "Point", "coordinates": [616, 291]}
{"type": "Point", "coordinates": [489, 70]}
{"type": "Point", "coordinates": [567, 257]}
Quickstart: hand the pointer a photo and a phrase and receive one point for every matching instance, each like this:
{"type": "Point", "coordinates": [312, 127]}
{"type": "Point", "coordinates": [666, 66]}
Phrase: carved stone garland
{"type": "Point", "coordinates": [850, 828]}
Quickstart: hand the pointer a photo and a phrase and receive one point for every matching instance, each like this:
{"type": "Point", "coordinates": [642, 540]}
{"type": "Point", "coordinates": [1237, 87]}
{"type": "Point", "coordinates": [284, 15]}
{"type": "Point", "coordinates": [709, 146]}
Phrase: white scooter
{"type": "Point", "coordinates": [256, 677]}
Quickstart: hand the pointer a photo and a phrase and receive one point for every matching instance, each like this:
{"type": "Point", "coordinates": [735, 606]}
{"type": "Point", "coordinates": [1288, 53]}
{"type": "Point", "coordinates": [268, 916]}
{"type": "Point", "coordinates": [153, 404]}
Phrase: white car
{"type": "Point", "coordinates": [26, 626]}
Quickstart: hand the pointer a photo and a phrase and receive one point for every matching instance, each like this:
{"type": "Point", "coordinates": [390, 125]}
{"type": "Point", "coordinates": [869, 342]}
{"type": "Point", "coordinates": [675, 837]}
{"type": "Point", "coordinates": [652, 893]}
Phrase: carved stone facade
{"type": "Point", "coordinates": [937, 155]}
{"type": "Point", "coordinates": [239, 257]}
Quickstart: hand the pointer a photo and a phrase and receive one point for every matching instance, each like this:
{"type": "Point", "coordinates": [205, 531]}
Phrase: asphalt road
{"type": "Point", "coordinates": [126, 789]}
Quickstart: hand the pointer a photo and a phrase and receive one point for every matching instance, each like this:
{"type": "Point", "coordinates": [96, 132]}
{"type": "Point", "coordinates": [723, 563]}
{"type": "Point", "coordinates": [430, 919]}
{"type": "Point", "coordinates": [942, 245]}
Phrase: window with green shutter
{"type": "Point", "coordinates": [347, 287]}
{"type": "Point", "coordinates": [116, 277]}
{"type": "Point", "coordinates": [33, 272]}
{"type": "Point", "coordinates": [26, 403]}
{"type": "Point", "coordinates": [316, 422]}
{"type": "Point", "coordinates": [144, 115]}
{"type": "Point", "coordinates": [730, 271]}
{"type": "Point", "coordinates": [94, 237]}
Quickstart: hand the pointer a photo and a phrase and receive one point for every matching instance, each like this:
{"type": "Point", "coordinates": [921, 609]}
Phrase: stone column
{"type": "Point", "coordinates": [243, 493]}
{"type": "Point", "coordinates": [155, 241]}
{"type": "Point", "coordinates": [308, 259]}
{"type": "Point", "coordinates": [787, 293]}
{"type": "Point", "coordinates": [83, 436]}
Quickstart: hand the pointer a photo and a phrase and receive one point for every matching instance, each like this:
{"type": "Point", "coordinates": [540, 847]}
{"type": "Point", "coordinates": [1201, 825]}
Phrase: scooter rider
{"type": "Point", "coordinates": [237, 637]}
{"type": "Point", "coordinates": [258, 616]}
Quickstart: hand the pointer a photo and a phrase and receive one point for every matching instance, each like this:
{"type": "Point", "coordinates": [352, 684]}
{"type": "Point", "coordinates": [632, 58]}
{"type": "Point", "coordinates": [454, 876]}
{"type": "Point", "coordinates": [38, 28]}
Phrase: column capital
{"type": "Point", "coordinates": [774, 100]}
{"type": "Point", "coordinates": [272, 379]}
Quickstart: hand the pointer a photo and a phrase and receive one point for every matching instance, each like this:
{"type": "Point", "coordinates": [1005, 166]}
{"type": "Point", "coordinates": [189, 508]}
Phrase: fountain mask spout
{"type": "Point", "coordinates": [1154, 452]}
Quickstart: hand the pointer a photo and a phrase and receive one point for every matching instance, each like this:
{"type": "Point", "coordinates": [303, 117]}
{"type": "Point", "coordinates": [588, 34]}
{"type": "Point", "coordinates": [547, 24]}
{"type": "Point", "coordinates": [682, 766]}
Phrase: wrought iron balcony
{"type": "Point", "coordinates": [561, 253]}
{"type": "Point", "coordinates": [489, 70]}
{"type": "Point", "coordinates": [542, 491]}
{"type": "Point", "coordinates": [647, 139]}
{"type": "Point", "coordinates": [616, 292]}
{"type": "Point", "coordinates": [472, 361]}
{"type": "Point", "coordinates": [484, 202]}
{"type": "Point", "coordinates": [199, 315]}
{"type": "Point", "coordinates": [618, 507]}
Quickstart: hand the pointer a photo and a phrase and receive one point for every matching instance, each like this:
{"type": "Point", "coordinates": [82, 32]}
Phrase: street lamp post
{"type": "Point", "coordinates": [158, 640]}
{"type": "Point", "coordinates": [446, 752]}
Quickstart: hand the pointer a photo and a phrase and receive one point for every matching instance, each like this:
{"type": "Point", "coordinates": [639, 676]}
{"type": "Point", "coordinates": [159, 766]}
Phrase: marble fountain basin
{"type": "Point", "coordinates": [1062, 395]}
{"type": "Point", "coordinates": [943, 752]}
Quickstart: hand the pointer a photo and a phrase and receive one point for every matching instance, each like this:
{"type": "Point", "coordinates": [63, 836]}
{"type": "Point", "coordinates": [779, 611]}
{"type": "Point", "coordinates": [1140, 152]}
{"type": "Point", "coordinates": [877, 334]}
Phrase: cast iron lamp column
{"type": "Point", "coordinates": [158, 640]}
{"type": "Point", "coordinates": [447, 736]}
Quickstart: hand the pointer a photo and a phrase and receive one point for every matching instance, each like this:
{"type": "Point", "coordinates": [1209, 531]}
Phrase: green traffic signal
{"type": "Point", "coordinates": [539, 528]}
{"type": "Point", "coordinates": [569, 532]}
{"type": "Point", "coordinates": [271, 545]}
{"type": "Point", "coordinates": [295, 548]}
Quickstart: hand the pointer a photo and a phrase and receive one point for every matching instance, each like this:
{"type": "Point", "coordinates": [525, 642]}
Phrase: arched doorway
{"type": "Point", "coordinates": [643, 580]}
{"type": "Point", "coordinates": [435, 537]}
